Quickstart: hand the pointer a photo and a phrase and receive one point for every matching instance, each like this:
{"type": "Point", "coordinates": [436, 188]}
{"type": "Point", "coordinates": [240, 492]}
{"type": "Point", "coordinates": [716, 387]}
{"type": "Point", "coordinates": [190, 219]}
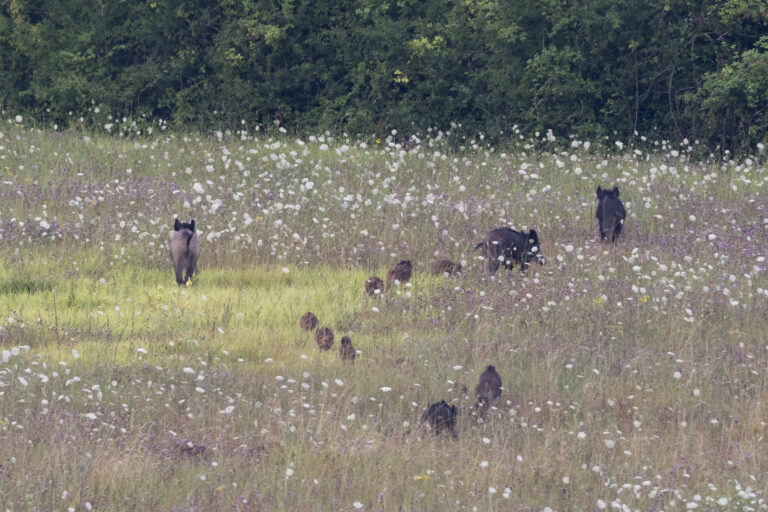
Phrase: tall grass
{"type": "Point", "coordinates": [634, 373]}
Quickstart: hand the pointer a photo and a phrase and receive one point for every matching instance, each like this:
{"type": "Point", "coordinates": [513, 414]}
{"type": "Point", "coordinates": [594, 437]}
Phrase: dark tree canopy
{"type": "Point", "coordinates": [696, 69]}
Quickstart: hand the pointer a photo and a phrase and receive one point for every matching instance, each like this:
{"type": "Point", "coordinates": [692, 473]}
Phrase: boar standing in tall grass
{"type": "Point", "coordinates": [488, 389]}
{"type": "Point", "coordinates": [610, 213]}
{"type": "Point", "coordinates": [510, 247]}
{"type": "Point", "coordinates": [185, 250]}
{"type": "Point", "coordinates": [440, 416]}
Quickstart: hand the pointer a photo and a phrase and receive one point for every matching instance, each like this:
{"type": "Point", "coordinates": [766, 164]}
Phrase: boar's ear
{"type": "Point", "coordinates": [533, 235]}
{"type": "Point", "coordinates": [176, 225]}
{"type": "Point", "coordinates": [615, 192]}
{"type": "Point", "coordinates": [192, 225]}
{"type": "Point", "coordinates": [599, 192]}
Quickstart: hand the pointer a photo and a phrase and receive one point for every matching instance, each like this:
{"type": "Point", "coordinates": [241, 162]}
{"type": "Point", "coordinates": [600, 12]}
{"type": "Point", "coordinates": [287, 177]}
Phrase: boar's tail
{"type": "Point", "coordinates": [189, 238]}
{"type": "Point", "coordinates": [478, 246]}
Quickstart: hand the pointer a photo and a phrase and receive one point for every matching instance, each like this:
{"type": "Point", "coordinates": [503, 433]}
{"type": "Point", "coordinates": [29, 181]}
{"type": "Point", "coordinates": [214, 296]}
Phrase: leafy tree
{"type": "Point", "coordinates": [588, 67]}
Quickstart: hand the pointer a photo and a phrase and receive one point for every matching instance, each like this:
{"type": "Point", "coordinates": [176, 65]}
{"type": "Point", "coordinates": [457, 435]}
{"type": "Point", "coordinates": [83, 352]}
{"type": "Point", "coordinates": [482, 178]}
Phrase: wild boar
{"type": "Point", "coordinates": [185, 250]}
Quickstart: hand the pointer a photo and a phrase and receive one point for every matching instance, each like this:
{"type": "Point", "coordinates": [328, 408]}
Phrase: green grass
{"type": "Point", "coordinates": [238, 330]}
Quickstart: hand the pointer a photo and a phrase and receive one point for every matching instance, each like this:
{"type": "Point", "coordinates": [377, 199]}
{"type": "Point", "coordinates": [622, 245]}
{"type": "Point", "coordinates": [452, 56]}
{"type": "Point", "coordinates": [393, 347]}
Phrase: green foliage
{"type": "Point", "coordinates": [734, 99]}
{"type": "Point", "coordinates": [588, 68]}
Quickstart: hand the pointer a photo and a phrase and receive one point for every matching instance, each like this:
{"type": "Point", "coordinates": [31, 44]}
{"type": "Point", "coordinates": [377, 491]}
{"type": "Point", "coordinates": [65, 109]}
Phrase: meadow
{"type": "Point", "coordinates": [634, 373]}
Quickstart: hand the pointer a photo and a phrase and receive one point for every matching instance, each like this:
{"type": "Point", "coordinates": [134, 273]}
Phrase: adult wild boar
{"type": "Point", "coordinates": [510, 247]}
{"type": "Point", "coordinates": [440, 416]}
{"type": "Point", "coordinates": [185, 250]}
{"type": "Point", "coordinates": [610, 213]}
{"type": "Point", "coordinates": [488, 388]}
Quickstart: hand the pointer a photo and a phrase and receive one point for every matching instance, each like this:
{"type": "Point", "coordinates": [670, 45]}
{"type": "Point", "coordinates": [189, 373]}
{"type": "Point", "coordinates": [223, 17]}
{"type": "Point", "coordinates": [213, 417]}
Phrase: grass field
{"type": "Point", "coordinates": [634, 374]}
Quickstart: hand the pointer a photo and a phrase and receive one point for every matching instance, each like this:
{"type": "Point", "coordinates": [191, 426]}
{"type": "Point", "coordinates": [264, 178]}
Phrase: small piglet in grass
{"type": "Point", "coordinates": [488, 389]}
{"type": "Point", "coordinates": [400, 273]}
{"type": "Point", "coordinates": [347, 351]}
{"type": "Point", "coordinates": [610, 213]}
{"type": "Point", "coordinates": [308, 321]}
{"type": "Point", "coordinates": [444, 267]}
{"type": "Point", "coordinates": [185, 250]}
{"type": "Point", "coordinates": [374, 286]}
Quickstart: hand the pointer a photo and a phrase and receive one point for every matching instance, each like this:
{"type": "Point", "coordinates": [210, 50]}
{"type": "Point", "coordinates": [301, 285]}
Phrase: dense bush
{"type": "Point", "coordinates": [604, 67]}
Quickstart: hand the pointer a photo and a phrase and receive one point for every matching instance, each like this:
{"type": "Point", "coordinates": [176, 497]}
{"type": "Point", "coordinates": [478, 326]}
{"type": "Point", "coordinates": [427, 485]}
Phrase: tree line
{"type": "Point", "coordinates": [590, 68]}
